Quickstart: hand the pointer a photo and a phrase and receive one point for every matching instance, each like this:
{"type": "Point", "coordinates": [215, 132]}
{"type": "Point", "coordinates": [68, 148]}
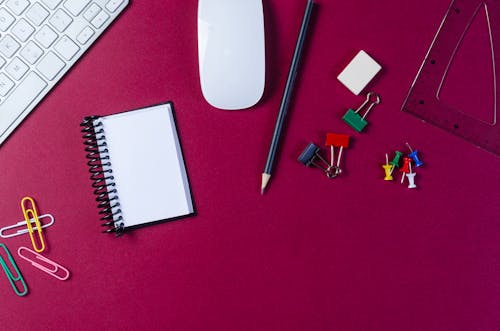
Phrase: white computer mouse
{"type": "Point", "coordinates": [231, 51]}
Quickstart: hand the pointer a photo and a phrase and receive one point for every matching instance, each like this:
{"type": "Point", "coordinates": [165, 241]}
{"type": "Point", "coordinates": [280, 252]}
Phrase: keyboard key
{"type": "Point", "coordinates": [22, 30]}
{"type": "Point", "coordinates": [85, 35]}
{"type": "Point", "coordinates": [75, 7]}
{"type": "Point", "coordinates": [91, 12]}
{"type": "Point", "coordinates": [8, 46]}
{"type": "Point", "coordinates": [60, 20]}
{"type": "Point", "coordinates": [20, 99]}
{"type": "Point", "coordinates": [50, 66]}
{"type": "Point", "coordinates": [66, 48]}
{"type": "Point", "coordinates": [16, 68]}
{"type": "Point", "coordinates": [31, 52]}
{"type": "Point", "coordinates": [37, 14]}
{"type": "Point", "coordinates": [5, 84]}
{"type": "Point", "coordinates": [46, 36]}
{"type": "Point", "coordinates": [52, 4]}
{"type": "Point", "coordinates": [113, 5]}
{"type": "Point", "coordinates": [18, 6]}
{"type": "Point", "coordinates": [100, 19]}
{"type": "Point", "coordinates": [2, 62]}
{"type": "Point", "coordinates": [6, 19]}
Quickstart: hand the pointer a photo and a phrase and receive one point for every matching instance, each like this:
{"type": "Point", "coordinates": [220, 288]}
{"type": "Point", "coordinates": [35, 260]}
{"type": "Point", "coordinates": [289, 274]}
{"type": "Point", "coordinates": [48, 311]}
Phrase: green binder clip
{"type": "Point", "coordinates": [10, 275]}
{"type": "Point", "coordinates": [354, 119]}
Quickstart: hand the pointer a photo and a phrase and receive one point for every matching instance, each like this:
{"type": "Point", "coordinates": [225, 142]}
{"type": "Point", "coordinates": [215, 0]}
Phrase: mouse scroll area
{"type": "Point", "coordinates": [231, 50]}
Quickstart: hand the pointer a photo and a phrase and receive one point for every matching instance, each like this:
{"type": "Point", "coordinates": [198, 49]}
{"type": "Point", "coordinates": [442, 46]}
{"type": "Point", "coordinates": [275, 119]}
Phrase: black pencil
{"type": "Point", "coordinates": [285, 101]}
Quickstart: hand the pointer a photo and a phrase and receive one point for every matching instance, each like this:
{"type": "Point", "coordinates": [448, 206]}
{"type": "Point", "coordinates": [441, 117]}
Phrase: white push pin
{"type": "Point", "coordinates": [411, 179]}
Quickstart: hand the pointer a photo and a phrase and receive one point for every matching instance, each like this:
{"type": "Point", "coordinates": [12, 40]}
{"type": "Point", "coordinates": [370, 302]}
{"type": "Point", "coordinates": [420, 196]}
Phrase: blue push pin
{"type": "Point", "coordinates": [309, 157]}
{"type": "Point", "coordinates": [414, 155]}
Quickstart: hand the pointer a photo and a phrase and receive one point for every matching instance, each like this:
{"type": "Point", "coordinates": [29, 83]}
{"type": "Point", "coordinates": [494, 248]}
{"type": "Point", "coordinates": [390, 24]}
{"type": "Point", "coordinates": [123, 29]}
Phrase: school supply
{"type": "Point", "coordinates": [340, 141]}
{"type": "Point", "coordinates": [359, 72]}
{"type": "Point", "coordinates": [310, 157]}
{"type": "Point", "coordinates": [395, 160]}
{"type": "Point", "coordinates": [411, 178]}
{"type": "Point", "coordinates": [357, 121]}
{"type": "Point", "coordinates": [387, 169]}
{"type": "Point", "coordinates": [13, 279]}
{"type": "Point", "coordinates": [423, 98]}
{"type": "Point", "coordinates": [40, 41]}
{"type": "Point", "coordinates": [137, 167]}
{"type": "Point", "coordinates": [406, 169]}
{"type": "Point", "coordinates": [53, 269]}
{"type": "Point", "coordinates": [285, 101]}
{"type": "Point", "coordinates": [30, 213]}
{"type": "Point", "coordinates": [7, 231]}
{"type": "Point", "coordinates": [414, 156]}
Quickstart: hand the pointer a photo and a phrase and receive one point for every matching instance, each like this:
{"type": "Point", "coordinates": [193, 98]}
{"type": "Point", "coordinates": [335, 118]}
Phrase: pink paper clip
{"type": "Point", "coordinates": [54, 267]}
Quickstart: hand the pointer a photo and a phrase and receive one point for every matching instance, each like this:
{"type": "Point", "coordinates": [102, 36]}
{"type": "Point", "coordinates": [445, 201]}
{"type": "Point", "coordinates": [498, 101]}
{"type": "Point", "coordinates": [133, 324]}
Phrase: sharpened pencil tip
{"type": "Point", "coordinates": [265, 180]}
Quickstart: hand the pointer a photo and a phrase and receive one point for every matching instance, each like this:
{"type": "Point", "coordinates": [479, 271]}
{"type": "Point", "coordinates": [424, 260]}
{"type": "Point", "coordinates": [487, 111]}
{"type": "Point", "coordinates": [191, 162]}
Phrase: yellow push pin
{"type": "Point", "coordinates": [388, 169]}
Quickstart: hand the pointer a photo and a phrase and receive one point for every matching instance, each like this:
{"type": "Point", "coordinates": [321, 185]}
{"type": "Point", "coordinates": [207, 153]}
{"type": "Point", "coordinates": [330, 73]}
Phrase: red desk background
{"type": "Point", "coordinates": [354, 253]}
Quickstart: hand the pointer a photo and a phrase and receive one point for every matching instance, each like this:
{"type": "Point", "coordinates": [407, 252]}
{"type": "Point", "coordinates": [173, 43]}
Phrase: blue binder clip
{"type": "Point", "coordinates": [310, 157]}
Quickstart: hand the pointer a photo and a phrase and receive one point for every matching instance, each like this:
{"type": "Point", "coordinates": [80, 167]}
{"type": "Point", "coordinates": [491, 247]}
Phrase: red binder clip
{"type": "Point", "coordinates": [340, 141]}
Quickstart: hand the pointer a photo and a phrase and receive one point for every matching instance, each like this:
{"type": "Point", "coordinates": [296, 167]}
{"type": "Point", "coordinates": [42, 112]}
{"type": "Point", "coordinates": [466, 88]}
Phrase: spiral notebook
{"type": "Point", "coordinates": [137, 167]}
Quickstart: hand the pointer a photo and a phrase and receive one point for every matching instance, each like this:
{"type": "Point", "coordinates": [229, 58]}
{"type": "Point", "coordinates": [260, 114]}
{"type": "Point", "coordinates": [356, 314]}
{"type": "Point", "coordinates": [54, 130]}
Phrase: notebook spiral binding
{"type": "Point", "coordinates": [101, 175]}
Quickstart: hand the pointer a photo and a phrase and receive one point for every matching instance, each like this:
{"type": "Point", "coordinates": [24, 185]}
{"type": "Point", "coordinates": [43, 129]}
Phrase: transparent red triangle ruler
{"type": "Point", "coordinates": [423, 99]}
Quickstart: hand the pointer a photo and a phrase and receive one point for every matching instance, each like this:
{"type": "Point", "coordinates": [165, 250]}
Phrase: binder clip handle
{"type": "Point", "coordinates": [310, 156]}
{"type": "Point", "coordinates": [353, 117]}
{"type": "Point", "coordinates": [372, 99]}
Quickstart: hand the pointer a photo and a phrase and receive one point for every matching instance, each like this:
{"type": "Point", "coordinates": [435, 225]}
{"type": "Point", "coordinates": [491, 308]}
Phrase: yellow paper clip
{"type": "Point", "coordinates": [29, 212]}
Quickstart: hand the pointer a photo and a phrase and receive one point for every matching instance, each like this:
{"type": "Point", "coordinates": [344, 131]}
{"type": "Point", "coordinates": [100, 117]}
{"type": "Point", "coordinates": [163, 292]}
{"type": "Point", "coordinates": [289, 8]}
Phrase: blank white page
{"type": "Point", "coordinates": [147, 164]}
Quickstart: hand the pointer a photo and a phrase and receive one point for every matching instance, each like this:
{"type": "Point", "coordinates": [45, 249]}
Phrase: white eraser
{"type": "Point", "coordinates": [359, 72]}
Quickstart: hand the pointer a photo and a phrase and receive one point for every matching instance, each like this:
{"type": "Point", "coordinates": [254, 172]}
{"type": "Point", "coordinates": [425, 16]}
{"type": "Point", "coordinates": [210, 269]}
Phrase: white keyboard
{"type": "Point", "coordinates": [40, 40]}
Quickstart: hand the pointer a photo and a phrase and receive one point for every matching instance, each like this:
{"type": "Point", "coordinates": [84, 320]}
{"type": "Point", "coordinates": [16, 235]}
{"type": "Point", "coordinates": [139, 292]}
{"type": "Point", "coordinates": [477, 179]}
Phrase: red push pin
{"type": "Point", "coordinates": [405, 168]}
{"type": "Point", "coordinates": [336, 140]}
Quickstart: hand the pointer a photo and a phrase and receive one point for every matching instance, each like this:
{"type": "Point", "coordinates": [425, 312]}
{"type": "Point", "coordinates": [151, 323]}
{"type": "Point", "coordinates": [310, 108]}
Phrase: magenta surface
{"type": "Point", "coordinates": [353, 253]}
